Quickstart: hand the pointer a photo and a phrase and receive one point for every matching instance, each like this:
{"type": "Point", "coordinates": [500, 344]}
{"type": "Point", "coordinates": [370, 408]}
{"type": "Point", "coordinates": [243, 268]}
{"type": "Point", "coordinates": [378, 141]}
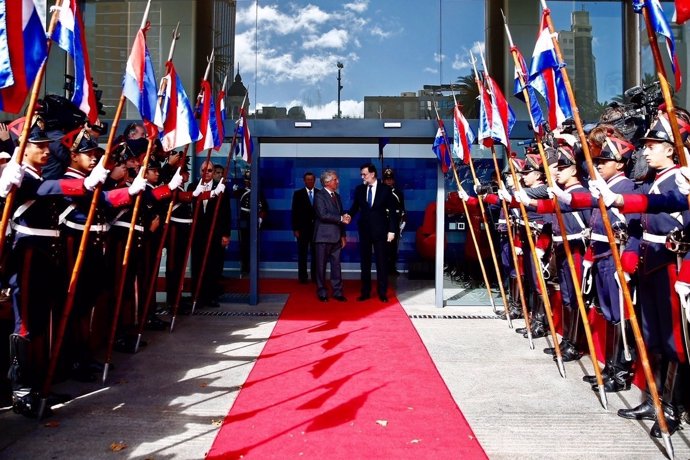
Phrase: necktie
{"type": "Point", "coordinates": [311, 197]}
{"type": "Point", "coordinates": [369, 198]}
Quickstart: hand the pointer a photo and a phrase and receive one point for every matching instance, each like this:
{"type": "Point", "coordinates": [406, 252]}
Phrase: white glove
{"type": "Point", "coordinates": [540, 253]}
{"type": "Point", "coordinates": [138, 186]}
{"type": "Point", "coordinates": [560, 194]}
{"type": "Point", "coordinates": [97, 176]}
{"type": "Point", "coordinates": [260, 219]}
{"type": "Point", "coordinates": [220, 188]}
{"type": "Point", "coordinates": [504, 194]}
{"type": "Point", "coordinates": [521, 197]}
{"type": "Point", "coordinates": [518, 251]}
{"type": "Point", "coordinates": [391, 237]}
{"type": "Point", "coordinates": [12, 175]}
{"type": "Point", "coordinates": [683, 289]}
{"type": "Point", "coordinates": [462, 194]}
{"type": "Point", "coordinates": [175, 180]}
{"type": "Point", "coordinates": [198, 190]}
{"type": "Point", "coordinates": [598, 187]}
{"type": "Point", "coordinates": [683, 180]}
{"type": "Point", "coordinates": [402, 227]}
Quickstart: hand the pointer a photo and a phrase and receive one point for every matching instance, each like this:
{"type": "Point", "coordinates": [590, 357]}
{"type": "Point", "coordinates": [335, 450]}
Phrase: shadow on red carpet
{"type": "Point", "coordinates": [343, 380]}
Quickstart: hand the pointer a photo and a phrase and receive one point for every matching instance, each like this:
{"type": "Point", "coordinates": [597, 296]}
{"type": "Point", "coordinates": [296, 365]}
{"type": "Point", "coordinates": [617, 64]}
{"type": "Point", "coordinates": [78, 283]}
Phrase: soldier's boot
{"type": "Point", "coordinates": [671, 412]}
{"type": "Point", "coordinates": [609, 356]}
{"type": "Point", "coordinates": [569, 351]}
{"type": "Point", "coordinates": [515, 309]}
{"type": "Point", "coordinates": [620, 378]}
{"type": "Point", "coordinates": [538, 323]}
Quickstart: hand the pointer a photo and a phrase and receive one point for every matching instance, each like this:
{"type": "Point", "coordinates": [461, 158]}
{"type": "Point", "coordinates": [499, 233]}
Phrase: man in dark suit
{"type": "Point", "coordinates": [377, 226]}
{"type": "Point", "coordinates": [303, 217]}
{"type": "Point", "coordinates": [329, 236]}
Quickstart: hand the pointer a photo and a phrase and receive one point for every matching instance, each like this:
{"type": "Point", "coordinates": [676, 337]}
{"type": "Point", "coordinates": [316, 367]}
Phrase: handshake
{"type": "Point", "coordinates": [346, 218]}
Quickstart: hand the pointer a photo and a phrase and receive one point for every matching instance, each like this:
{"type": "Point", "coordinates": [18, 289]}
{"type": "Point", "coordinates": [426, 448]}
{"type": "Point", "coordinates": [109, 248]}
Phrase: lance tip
{"type": "Point", "coordinates": [668, 445]}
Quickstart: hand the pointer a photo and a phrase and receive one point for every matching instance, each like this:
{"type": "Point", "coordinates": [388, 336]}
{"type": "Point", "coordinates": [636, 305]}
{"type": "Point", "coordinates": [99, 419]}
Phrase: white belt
{"type": "Point", "coordinates": [100, 228]}
{"type": "Point", "coordinates": [180, 220]}
{"type": "Point", "coordinates": [245, 210]}
{"type": "Point", "coordinates": [35, 231]}
{"type": "Point", "coordinates": [576, 236]}
{"type": "Point", "coordinates": [531, 224]}
{"type": "Point", "coordinates": [600, 238]}
{"type": "Point", "coordinates": [654, 238]}
{"type": "Point", "coordinates": [119, 223]}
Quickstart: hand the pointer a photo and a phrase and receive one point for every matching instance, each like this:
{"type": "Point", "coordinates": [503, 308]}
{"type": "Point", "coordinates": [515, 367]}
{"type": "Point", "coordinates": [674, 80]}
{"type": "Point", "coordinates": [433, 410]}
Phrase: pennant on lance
{"type": "Point", "coordinates": [209, 123]}
{"type": "Point", "coordinates": [463, 137]}
{"type": "Point", "coordinates": [175, 113]}
{"type": "Point", "coordinates": [23, 48]}
{"type": "Point", "coordinates": [440, 147]}
{"type": "Point", "coordinates": [661, 26]}
{"type": "Point", "coordinates": [139, 82]}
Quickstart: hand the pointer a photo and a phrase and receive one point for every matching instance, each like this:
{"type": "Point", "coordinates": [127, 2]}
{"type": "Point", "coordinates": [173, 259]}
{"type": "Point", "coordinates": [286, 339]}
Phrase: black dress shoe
{"type": "Point", "coordinates": [644, 411]}
{"type": "Point", "coordinates": [323, 298]}
{"type": "Point", "coordinates": [340, 298]}
{"type": "Point", "coordinates": [362, 298]}
{"type": "Point", "coordinates": [605, 373]}
{"type": "Point", "coordinates": [383, 298]}
{"type": "Point", "coordinates": [672, 423]}
{"type": "Point", "coordinates": [521, 330]}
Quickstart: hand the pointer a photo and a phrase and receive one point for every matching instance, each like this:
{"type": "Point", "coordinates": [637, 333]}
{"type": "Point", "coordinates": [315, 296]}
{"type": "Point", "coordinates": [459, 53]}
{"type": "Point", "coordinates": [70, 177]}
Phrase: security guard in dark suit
{"type": "Point", "coordinates": [245, 213]}
{"type": "Point", "coordinates": [303, 217]}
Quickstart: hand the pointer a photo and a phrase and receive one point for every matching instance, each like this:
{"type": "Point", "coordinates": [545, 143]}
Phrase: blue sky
{"type": "Point", "coordinates": [386, 46]}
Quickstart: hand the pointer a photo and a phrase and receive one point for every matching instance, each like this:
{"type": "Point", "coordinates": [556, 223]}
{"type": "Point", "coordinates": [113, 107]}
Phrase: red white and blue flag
{"type": "Point", "coordinates": [139, 82]}
{"type": "Point", "coordinates": [23, 49]}
{"type": "Point", "coordinates": [246, 143]}
{"type": "Point", "coordinates": [545, 76]}
{"type": "Point", "coordinates": [496, 117]}
{"type": "Point", "coordinates": [175, 113]}
{"type": "Point", "coordinates": [440, 147]}
{"type": "Point", "coordinates": [661, 26]}
{"type": "Point", "coordinates": [463, 137]}
{"type": "Point", "coordinates": [69, 34]}
{"type": "Point", "coordinates": [220, 116]}
{"type": "Point", "coordinates": [210, 137]}
{"type": "Point", "coordinates": [535, 113]}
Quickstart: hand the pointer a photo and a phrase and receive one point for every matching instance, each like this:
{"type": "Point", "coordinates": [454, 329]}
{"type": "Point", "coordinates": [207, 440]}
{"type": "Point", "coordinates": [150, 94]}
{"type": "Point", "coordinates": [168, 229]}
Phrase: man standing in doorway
{"type": "Point", "coordinates": [377, 226]}
{"type": "Point", "coordinates": [303, 217]}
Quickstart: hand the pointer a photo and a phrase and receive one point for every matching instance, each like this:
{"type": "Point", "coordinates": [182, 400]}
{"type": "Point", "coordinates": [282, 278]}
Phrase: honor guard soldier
{"type": "Point", "coordinates": [610, 154]}
{"type": "Point", "coordinates": [661, 249]}
{"type": "Point", "coordinates": [37, 263]}
{"type": "Point", "coordinates": [401, 216]}
{"type": "Point", "coordinates": [208, 192]}
{"type": "Point", "coordinates": [576, 231]}
{"type": "Point", "coordinates": [245, 213]}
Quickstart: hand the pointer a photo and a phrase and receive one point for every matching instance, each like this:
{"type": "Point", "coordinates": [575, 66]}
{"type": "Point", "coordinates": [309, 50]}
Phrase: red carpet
{"type": "Point", "coordinates": [344, 380]}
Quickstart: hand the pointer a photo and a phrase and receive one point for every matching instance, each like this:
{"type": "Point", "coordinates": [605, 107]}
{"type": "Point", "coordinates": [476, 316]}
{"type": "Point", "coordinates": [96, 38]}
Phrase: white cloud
{"type": "Point", "coordinates": [334, 38]}
{"type": "Point", "coordinates": [348, 109]}
{"type": "Point", "coordinates": [377, 31]}
{"type": "Point", "coordinates": [357, 7]}
{"type": "Point", "coordinates": [430, 70]}
{"type": "Point", "coordinates": [439, 57]}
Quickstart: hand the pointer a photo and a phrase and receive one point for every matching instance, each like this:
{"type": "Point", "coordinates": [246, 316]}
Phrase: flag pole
{"type": "Point", "coordinates": [150, 291]}
{"type": "Point", "coordinates": [214, 218]}
{"type": "Point", "coordinates": [509, 227]}
{"type": "Point", "coordinates": [564, 233]}
{"type": "Point", "coordinates": [23, 138]}
{"type": "Point", "coordinates": [475, 241]}
{"type": "Point", "coordinates": [195, 217]}
{"type": "Point", "coordinates": [641, 348]}
{"type": "Point", "coordinates": [535, 258]}
{"type": "Point", "coordinates": [128, 246]}
{"type": "Point", "coordinates": [487, 228]}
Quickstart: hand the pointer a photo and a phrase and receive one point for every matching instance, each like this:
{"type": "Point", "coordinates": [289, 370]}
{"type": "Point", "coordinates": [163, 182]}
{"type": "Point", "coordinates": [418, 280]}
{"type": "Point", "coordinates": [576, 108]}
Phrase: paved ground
{"type": "Point", "coordinates": [168, 400]}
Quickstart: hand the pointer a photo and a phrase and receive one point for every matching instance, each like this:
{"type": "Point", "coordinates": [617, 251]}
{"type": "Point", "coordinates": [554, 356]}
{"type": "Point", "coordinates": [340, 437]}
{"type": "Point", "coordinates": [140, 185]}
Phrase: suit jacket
{"type": "Point", "coordinates": [328, 228]}
{"type": "Point", "coordinates": [376, 221]}
{"type": "Point", "coordinates": [303, 215]}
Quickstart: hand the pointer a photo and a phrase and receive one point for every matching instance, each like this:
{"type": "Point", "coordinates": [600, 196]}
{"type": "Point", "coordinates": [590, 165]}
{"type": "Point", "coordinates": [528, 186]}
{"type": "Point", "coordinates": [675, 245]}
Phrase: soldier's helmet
{"type": "Point", "coordinates": [37, 132]}
{"type": "Point", "coordinates": [388, 173]}
{"type": "Point", "coordinates": [566, 156]}
{"type": "Point", "coordinates": [532, 163]}
{"type": "Point", "coordinates": [153, 164]}
{"type": "Point", "coordinates": [83, 142]}
{"type": "Point", "coordinates": [619, 150]}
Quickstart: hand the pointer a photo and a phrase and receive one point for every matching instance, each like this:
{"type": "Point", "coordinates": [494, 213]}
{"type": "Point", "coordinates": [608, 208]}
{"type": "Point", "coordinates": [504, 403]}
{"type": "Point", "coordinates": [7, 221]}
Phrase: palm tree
{"type": "Point", "coordinates": [468, 96]}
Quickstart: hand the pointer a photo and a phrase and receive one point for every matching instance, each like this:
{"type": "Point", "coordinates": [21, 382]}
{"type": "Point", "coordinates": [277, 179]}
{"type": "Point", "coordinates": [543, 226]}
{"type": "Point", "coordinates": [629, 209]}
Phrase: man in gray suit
{"type": "Point", "coordinates": [329, 236]}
